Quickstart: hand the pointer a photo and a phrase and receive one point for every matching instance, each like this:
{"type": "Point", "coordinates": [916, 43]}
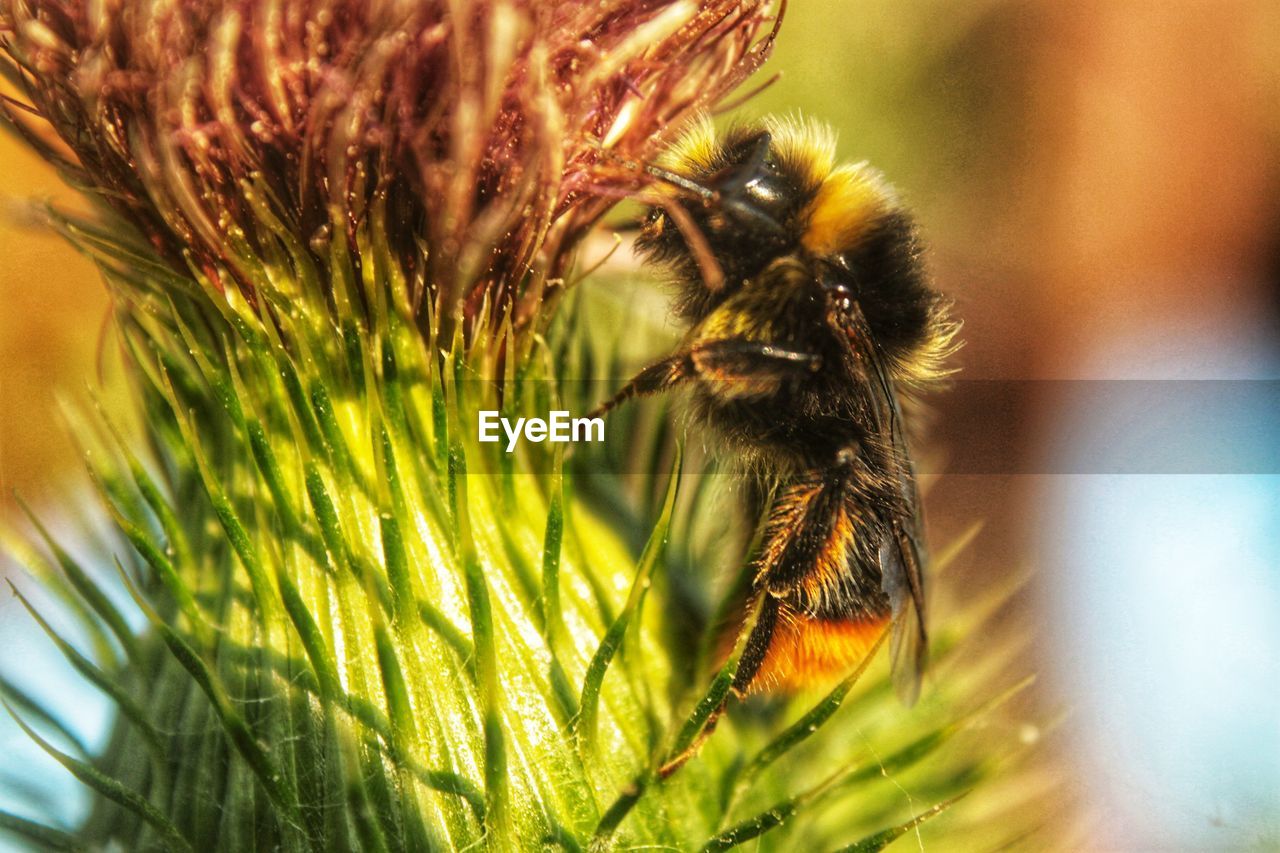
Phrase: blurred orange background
{"type": "Point", "coordinates": [52, 313]}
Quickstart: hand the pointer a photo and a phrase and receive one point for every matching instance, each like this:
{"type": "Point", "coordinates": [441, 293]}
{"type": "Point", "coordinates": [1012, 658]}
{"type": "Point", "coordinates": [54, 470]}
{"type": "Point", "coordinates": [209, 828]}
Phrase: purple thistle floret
{"type": "Point", "coordinates": [475, 140]}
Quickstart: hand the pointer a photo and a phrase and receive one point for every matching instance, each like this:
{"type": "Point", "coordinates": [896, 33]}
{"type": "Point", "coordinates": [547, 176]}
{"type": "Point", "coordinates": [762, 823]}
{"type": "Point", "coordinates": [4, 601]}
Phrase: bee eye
{"type": "Point", "coordinates": [654, 221]}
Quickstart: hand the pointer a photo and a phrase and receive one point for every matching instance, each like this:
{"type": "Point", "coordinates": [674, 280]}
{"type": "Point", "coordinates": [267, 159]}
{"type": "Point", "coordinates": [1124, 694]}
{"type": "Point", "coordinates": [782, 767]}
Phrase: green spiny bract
{"type": "Point", "coordinates": [333, 233]}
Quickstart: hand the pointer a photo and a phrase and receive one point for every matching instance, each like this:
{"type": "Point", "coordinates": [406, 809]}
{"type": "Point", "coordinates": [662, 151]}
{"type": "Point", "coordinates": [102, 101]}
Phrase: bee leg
{"type": "Point", "coordinates": [655, 378]}
{"type": "Point", "coordinates": [735, 368]}
{"type": "Point", "coordinates": [753, 655]}
{"type": "Point", "coordinates": [708, 728]}
{"type": "Point", "coordinates": [807, 532]}
{"type": "Point", "coordinates": [734, 358]}
{"type": "Point", "coordinates": [757, 647]}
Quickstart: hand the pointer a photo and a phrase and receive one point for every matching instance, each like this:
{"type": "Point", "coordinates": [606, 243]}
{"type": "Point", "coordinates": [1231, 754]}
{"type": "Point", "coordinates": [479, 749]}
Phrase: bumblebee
{"type": "Point", "coordinates": [809, 313]}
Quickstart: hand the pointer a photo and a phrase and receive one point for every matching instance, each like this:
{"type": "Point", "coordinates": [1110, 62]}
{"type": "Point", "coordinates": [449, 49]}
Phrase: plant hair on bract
{"type": "Point", "coordinates": [809, 312]}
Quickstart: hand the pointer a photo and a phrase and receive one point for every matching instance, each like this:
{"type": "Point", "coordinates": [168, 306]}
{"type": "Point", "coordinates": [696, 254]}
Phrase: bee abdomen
{"type": "Point", "coordinates": [803, 651]}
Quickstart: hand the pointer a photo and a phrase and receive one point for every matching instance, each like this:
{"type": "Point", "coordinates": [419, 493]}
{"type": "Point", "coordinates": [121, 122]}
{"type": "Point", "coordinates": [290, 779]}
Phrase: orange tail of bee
{"type": "Point", "coordinates": [804, 652]}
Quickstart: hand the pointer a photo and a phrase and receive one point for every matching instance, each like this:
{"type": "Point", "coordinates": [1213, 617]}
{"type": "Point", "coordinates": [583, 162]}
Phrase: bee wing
{"type": "Point", "coordinates": [902, 553]}
{"type": "Point", "coordinates": [902, 565]}
{"type": "Point", "coordinates": [903, 581]}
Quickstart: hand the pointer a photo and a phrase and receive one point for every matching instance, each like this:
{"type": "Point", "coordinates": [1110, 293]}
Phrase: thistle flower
{"type": "Point", "coordinates": [480, 135]}
{"type": "Point", "coordinates": [363, 629]}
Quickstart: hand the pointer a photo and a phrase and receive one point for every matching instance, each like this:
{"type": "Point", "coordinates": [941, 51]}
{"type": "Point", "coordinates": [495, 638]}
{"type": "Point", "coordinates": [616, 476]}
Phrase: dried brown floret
{"type": "Point", "coordinates": [475, 132]}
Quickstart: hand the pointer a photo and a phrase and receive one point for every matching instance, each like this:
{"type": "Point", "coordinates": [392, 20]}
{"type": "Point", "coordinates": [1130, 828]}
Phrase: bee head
{"type": "Point", "coordinates": [761, 193]}
{"type": "Point", "coordinates": [743, 198]}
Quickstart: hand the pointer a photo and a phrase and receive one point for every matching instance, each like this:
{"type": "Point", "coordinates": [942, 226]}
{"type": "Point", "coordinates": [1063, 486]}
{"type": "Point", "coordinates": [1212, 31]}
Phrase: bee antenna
{"type": "Point", "coordinates": [664, 175]}
{"type": "Point", "coordinates": [704, 193]}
